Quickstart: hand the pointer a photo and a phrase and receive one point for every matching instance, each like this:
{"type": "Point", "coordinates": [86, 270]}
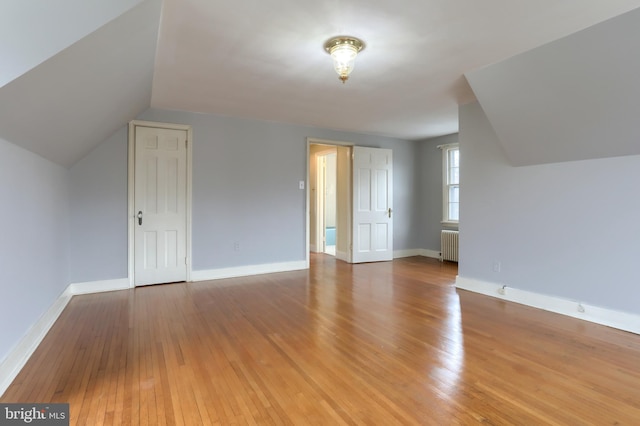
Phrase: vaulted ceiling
{"type": "Point", "coordinates": [74, 74]}
{"type": "Point", "coordinates": [577, 98]}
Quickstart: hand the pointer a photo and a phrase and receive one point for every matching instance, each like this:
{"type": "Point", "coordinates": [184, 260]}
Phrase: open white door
{"type": "Point", "coordinates": [372, 199]}
{"type": "Point", "coordinates": [160, 200]}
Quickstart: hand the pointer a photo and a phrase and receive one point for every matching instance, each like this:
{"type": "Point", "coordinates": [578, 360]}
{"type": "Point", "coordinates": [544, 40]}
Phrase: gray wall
{"type": "Point", "coordinates": [569, 230]}
{"type": "Point", "coordinates": [34, 242]}
{"type": "Point", "coordinates": [245, 189]}
{"type": "Point", "coordinates": [98, 236]}
{"type": "Point", "coordinates": [429, 190]}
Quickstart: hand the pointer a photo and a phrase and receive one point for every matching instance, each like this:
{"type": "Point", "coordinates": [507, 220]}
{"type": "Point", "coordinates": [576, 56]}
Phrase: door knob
{"type": "Point", "coordinates": [389, 211]}
{"type": "Point", "coordinates": [140, 217]}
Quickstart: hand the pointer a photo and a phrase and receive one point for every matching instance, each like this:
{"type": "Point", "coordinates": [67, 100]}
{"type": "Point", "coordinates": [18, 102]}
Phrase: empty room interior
{"type": "Point", "coordinates": [321, 212]}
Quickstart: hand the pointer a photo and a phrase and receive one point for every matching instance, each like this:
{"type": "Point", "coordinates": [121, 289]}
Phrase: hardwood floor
{"type": "Point", "coordinates": [384, 343]}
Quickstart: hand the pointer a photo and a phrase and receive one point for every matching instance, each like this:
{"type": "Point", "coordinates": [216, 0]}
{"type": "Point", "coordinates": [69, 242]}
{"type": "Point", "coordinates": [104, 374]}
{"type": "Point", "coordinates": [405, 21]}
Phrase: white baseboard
{"type": "Point", "coordinates": [244, 271]}
{"type": "Point", "coordinates": [18, 357]}
{"type": "Point", "coordinates": [398, 254]}
{"type": "Point", "coordinates": [609, 317]}
{"type": "Point", "coordinates": [99, 286]}
{"type": "Point", "coordinates": [435, 254]}
{"type": "Point", "coordinates": [416, 252]}
{"type": "Point", "coordinates": [342, 255]}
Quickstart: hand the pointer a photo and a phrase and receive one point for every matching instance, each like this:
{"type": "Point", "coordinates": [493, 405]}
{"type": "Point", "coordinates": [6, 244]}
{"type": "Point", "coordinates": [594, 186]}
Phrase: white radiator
{"type": "Point", "coordinates": [449, 245]}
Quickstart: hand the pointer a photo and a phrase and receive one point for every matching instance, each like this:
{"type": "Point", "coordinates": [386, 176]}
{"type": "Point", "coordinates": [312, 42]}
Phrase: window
{"type": "Point", "coordinates": [451, 184]}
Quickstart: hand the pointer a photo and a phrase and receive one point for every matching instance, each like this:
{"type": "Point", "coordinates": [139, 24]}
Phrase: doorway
{"type": "Point", "coordinates": [159, 203]}
{"type": "Point", "coordinates": [326, 193]}
{"type": "Point", "coordinates": [363, 199]}
{"type": "Point", "coordinates": [329, 177]}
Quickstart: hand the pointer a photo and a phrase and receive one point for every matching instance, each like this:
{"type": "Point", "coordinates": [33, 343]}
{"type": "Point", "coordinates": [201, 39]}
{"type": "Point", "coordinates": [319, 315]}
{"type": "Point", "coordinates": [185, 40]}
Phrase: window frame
{"type": "Point", "coordinates": [446, 149]}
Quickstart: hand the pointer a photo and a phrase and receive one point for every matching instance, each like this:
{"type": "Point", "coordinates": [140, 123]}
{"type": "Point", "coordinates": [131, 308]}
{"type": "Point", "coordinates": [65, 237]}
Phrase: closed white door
{"type": "Point", "coordinates": [160, 201]}
{"type": "Point", "coordinates": [372, 205]}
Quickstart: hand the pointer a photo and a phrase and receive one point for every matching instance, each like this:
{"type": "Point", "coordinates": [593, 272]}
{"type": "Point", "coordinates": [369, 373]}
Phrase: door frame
{"type": "Point", "coordinates": [131, 192]}
{"type": "Point", "coordinates": [317, 141]}
{"type": "Point", "coordinates": [321, 174]}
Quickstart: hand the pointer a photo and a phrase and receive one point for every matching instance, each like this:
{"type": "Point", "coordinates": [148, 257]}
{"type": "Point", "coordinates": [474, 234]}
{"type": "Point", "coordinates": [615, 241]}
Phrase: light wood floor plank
{"type": "Point", "coordinates": [382, 343]}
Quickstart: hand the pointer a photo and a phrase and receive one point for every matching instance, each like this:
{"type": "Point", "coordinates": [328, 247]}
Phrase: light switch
{"type": "Point", "coordinates": [301, 184]}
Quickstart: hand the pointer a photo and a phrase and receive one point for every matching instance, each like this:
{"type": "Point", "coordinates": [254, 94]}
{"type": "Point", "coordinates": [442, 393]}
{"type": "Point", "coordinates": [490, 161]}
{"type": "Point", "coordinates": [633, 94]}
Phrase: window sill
{"type": "Point", "coordinates": [449, 224]}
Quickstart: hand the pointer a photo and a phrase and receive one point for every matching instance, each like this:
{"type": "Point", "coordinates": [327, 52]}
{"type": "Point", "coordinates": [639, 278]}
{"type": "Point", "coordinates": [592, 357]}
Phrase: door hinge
{"type": "Point", "coordinates": [185, 261]}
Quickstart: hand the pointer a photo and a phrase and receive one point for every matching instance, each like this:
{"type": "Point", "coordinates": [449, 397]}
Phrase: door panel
{"type": "Point", "coordinates": [372, 201]}
{"type": "Point", "coordinates": [160, 200]}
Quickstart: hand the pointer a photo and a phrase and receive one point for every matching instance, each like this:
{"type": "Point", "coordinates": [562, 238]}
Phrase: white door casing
{"type": "Point", "coordinates": [344, 198]}
{"type": "Point", "coordinates": [343, 203]}
{"type": "Point", "coordinates": [160, 204]}
{"type": "Point", "coordinates": [372, 205]}
{"type": "Point", "coordinates": [320, 203]}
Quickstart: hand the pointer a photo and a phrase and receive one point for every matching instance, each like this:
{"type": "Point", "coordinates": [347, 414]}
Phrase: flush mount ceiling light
{"type": "Point", "coordinates": [343, 50]}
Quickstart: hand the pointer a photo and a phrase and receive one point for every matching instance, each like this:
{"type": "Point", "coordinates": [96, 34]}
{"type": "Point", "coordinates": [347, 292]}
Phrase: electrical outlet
{"type": "Point", "coordinates": [236, 246]}
{"type": "Point", "coordinates": [497, 266]}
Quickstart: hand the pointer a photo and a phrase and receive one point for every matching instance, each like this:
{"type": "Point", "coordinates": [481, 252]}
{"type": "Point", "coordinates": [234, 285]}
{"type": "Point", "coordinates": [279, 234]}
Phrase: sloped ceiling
{"type": "Point", "coordinates": [32, 32]}
{"type": "Point", "coordinates": [66, 106]}
{"type": "Point", "coordinates": [575, 98]}
{"type": "Point", "coordinates": [264, 60]}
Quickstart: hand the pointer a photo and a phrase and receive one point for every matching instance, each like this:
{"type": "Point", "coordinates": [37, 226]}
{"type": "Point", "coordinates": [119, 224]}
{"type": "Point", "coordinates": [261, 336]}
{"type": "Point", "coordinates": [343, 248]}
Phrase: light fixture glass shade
{"type": "Point", "coordinates": [344, 58]}
{"type": "Point", "coordinates": [343, 50]}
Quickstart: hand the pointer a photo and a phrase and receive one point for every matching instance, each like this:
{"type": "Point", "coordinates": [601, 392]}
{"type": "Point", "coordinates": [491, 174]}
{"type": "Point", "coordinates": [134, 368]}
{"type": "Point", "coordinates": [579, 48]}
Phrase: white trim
{"type": "Point", "coordinates": [434, 254]}
{"type": "Point", "coordinates": [321, 173]}
{"type": "Point", "coordinates": [99, 286]}
{"type": "Point", "coordinates": [445, 183]}
{"type": "Point", "coordinates": [189, 200]}
{"type": "Point", "coordinates": [397, 254]}
{"type": "Point", "coordinates": [576, 309]}
{"type": "Point", "coordinates": [449, 145]}
{"type": "Point", "coordinates": [316, 141]}
{"type": "Point", "coordinates": [245, 271]}
{"type": "Point", "coordinates": [342, 255]}
{"type": "Point", "coordinates": [450, 224]}
{"type": "Point", "coordinates": [20, 354]}
{"type": "Point", "coordinates": [131, 190]}
{"type": "Point", "coordinates": [307, 216]}
{"type": "Point", "coordinates": [131, 166]}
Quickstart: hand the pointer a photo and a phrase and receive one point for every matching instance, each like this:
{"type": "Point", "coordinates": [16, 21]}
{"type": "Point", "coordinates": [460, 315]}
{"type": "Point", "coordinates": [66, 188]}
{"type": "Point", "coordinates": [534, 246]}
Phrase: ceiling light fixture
{"type": "Point", "coordinates": [343, 50]}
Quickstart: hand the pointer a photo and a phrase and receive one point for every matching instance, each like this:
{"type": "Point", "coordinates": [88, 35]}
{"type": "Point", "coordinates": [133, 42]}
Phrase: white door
{"type": "Point", "coordinates": [372, 200]}
{"type": "Point", "coordinates": [160, 205]}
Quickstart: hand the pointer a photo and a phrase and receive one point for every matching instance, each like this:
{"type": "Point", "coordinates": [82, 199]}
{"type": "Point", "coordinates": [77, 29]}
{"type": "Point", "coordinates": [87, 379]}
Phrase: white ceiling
{"type": "Point", "coordinates": [263, 59]}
